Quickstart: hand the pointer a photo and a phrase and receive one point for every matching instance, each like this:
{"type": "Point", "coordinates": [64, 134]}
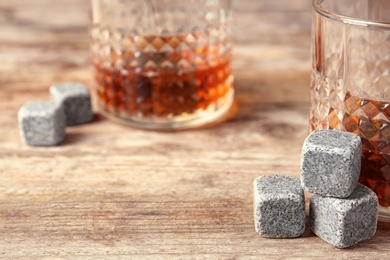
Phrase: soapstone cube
{"type": "Point", "coordinates": [331, 162]}
{"type": "Point", "coordinates": [42, 123]}
{"type": "Point", "coordinates": [279, 206]}
{"type": "Point", "coordinates": [344, 222]}
{"type": "Point", "coordinates": [76, 100]}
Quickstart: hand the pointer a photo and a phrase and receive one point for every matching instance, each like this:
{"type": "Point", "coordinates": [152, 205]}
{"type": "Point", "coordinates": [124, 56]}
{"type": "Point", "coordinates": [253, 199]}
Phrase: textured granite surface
{"type": "Point", "coordinates": [76, 100]}
{"type": "Point", "coordinates": [331, 162]}
{"type": "Point", "coordinates": [42, 123]}
{"type": "Point", "coordinates": [345, 222]}
{"type": "Point", "coordinates": [279, 206]}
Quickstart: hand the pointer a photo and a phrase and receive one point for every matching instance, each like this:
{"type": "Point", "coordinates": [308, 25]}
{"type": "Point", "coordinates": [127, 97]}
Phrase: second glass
{"type": "Point", "coordinates": [162, 64]}
{"type": "Point", "coordinates": [351, 82]}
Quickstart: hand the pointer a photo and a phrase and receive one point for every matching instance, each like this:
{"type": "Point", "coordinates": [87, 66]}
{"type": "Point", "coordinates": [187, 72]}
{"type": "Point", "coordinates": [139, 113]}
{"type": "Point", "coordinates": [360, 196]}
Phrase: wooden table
{"type": "Point", "coordinates": [111, 191]}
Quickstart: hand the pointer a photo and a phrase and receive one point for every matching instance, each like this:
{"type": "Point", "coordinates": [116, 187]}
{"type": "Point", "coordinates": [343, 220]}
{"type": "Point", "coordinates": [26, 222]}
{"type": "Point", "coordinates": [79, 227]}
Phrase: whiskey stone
{"type": "Point", "coordinates": [76, 100]}
{"type": "Point", "coordinates": [345, 222]}
{"type": "Point", "coordinates": [330, 163]}
{"type": "Point", "coordinates": [279, 206]}
{"type": "Point", "coordinates": [42, 123]}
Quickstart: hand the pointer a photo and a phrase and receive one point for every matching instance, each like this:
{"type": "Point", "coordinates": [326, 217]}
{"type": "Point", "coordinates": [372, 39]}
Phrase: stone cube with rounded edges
{"type": "Point", "coordinates": [42, 123]}
{"type": "Point", "coordinates": [279, 206]}
{"type": "Point", "coordinates": [76, 100]}
{"type": "Point", "coordinates": [344, 222]}
{"type": "Point", "coordinates": [331, 162]}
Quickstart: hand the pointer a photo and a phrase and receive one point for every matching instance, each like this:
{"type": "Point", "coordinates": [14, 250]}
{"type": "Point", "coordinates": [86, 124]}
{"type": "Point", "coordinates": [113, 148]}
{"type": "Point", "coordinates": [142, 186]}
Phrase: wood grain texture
{"type": "Point", "coordinates": [111, 191]}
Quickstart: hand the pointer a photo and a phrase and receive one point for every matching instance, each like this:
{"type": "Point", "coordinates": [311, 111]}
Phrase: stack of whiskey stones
{"type": "Point", "coordinates": [42, 123]}
{"type": "Point", "coordinates": [342, 212]}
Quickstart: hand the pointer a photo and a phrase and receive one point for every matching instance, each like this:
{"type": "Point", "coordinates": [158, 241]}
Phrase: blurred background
{"type": "Point", "coordinates": [49, 39]}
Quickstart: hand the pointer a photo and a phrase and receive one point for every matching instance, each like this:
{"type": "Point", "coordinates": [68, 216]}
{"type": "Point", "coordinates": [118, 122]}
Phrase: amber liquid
{"type": "Point", "coordinates": [370, 119]}
{"type": "Point", "coordinates": [164, 94]}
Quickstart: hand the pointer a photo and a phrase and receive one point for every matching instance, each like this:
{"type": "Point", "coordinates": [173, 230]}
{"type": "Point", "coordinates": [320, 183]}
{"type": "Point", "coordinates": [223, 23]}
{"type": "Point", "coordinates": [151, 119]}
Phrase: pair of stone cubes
{"type": "Point", "coordinates": [342, 212]}
{"type": "Point", "coordinates": [42, 123]}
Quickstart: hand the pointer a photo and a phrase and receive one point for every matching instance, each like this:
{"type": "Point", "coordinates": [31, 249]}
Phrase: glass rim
{"type": "Point", "coordinates": [348, 19]}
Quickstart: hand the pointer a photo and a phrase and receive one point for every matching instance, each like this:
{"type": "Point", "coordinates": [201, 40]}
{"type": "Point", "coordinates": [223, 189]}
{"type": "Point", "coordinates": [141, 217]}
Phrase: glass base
{"type": "Point", "coordinates": [200, 118]}
{"type": "Point", "coordinates": [384, 214]}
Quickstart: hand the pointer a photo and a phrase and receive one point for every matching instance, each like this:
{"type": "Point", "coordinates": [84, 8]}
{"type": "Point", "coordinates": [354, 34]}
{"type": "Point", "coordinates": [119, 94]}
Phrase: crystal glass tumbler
{"type": "Point", "coordinates": [350, 88]}
{"type": "Point", "coordinates": [162, 64]}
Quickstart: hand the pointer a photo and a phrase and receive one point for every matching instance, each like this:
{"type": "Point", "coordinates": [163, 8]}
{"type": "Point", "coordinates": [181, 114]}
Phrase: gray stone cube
{"type": "Point", "coordinates": [76, 100]}
{"type": "Point", "coordinates": [42, 123]}
{"type": "Point", "coordinates": [279, 206]}
{"type": "Point", "coordinates": [331, 162]}
{"type": "Point", "coordinates": [345, 222]}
